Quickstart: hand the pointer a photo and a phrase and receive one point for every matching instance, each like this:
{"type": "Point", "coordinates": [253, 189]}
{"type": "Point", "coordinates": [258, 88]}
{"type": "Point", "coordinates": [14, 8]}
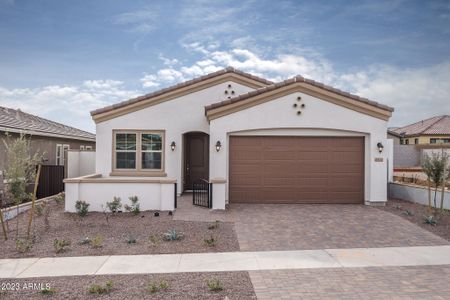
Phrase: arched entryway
{"type": "Point", "coordinates": [195, 157]}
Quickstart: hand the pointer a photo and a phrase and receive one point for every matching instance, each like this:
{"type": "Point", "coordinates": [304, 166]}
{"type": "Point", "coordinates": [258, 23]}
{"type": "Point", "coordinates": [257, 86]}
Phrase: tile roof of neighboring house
{"type": "Point", "coordinates": [15, 120]}
{"type": "Point", "coordinates": [394, 133]}
{"type": "Point", "coordinates": [439, 125]}
{"type": "Point", "coordinates": [292, 81]}
{"type": "Point", "coordinates": [179, 85]}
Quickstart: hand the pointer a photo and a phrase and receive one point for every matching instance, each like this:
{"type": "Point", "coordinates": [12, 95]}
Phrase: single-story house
{"type": "Point", "coordinates": [431, 131]}
{"type": "Point", "coordinates": [50, 139]}
{"type": "Point", "coordinates": [254, 141]}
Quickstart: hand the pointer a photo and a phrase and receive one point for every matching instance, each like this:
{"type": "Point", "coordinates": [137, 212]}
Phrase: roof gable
{"type": "Point", "coordinates": [181, 89]}
{"type": "Point", "coordinates": [438, 125]}
{"type": "Point", "coordinates": [299, 84]}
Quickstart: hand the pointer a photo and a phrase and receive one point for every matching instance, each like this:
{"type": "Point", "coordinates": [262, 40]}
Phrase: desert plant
{"type": "Point", "coordinates": [47, 291]}
{"type": "Point", "coordinates": [39, 209]}
{"type": "Point", "coordinates": [115, 205]}
{"type": "Point", "coordinates": [214, 285]}
{"type": "Point", "coordinates": [134, 207]}
{"type": "Point", "coordinates": [431, 220]}
{"type": "Point", "coordinates": [434, 167]}
{"type": "Point", "coordinates": [23, 245]}
{"type": "Point", "coordinates": [82, 208]}
{"type": "Point", "coordinates": [173, 235]}
{"type": "Point", "coordinates": [211, 242]}
{"type": "Point", "coordinates": [407, 212]}
{"type": "Point", "coordinates": [215, 225]}
{"type": "Point", "coordinates": [154, 239]}
{"type": "Point", "coordinates": [61, 245]}
{"type": "Point", "coordinates": [59, 199]}
{"type": "Point", "coordinates": [46, 213]}
{"type": "Point", "coordinates": [101, 289]}
{"type": "Point", "coordinates": [154, 287]}
{"type": "Point", "coordinates": [97, 242]}
{"type": "Point", "coordinates": [85, 241]}
{"type": "Point", "coordinates": [131, 240]}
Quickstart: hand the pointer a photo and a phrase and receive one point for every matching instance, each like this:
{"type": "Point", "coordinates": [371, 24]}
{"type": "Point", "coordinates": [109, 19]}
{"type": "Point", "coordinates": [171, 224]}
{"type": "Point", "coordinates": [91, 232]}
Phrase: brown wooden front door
{"type": "Point", "coordinates": [196, 162]}
{"type": "Point", "coordinates": [275, 169]}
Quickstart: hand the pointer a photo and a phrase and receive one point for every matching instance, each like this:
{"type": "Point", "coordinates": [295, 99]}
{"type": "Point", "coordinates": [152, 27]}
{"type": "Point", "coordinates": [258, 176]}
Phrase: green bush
{"type": "Point", "coordinates": [154, 287]}
{"type": "Point", "coordinates": [134, 207]}
{"type": "Point", "coordinates": [101, 289]}
{"type": "Point", "coordinates": [430, 220]}
{"type": "Point", "coordinates": [23, 245]}
{"type": "Point", "coordinates": [173, 235]}
{"type": "Point", "coordinates": [82, 208]}
{"type": "Point", "coordinates": [211, 242]}
{"type": "Point", "coordinates": [59, 199]}
{"type": "Point", "coordinates": [48, 291]}
{"type": "Point", "coordinates": [115, 205]}
{"type": "Point", "coordinates": [154, 239]}
{"type": "Point", "coordinates": [97, 242]}
{"type": "Point", "coordinates": [61, 245]}
{"type": "Point", "coordinates": [131, 240]}
{"type": "Point", "coordinates": [214, 285]}
{"type": "Point", "coordinates": [215, 225]}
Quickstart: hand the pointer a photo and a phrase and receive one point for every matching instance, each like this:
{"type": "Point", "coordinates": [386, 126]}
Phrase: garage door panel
{"type": "Point", "coordinates": [286, 169]}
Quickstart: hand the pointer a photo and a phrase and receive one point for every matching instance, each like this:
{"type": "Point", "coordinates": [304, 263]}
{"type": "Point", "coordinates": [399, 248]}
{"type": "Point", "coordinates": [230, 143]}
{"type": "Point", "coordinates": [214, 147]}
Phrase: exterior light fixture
{"type": "Point", "coordinates": [218, 146]}
{"type": "Point", "coordinates": [380, 147]}
{"type": "Point", "coordinates": [172, 146]}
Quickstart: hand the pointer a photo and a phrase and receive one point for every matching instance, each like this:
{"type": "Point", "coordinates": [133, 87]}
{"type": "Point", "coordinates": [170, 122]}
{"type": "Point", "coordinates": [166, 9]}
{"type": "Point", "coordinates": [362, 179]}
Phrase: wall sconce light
{"type": "Point", "coordinates": [218, 146]}
{"type": "Point", "coordinates": [172, 146]}
{"type": "Point", "coordinates": [380, 147]}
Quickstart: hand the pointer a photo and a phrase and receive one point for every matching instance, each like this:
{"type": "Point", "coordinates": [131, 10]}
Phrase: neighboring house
{"type": "Point", "coordinates": [434, 130]}
{"type": "Point", "coordinates": [392, 135]}
{"type": "Point", "coordinates": [296, 141]}
{"type": "Point", "coordinates": [48, 138]}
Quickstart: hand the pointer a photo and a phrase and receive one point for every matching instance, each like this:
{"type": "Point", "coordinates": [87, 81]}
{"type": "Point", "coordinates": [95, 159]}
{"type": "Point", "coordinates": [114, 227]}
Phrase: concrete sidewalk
{"type": "Point", "coordinates": [225, 261]}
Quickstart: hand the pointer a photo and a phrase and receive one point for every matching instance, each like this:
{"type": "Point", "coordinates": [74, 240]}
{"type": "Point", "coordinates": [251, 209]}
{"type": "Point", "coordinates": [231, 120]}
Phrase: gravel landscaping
{"type": "Point", "coordinates": [416, 213]}
{"type": "Point", "coordinates": [236, 285]}
{"type": "Point", "coordinates": [117, 235]}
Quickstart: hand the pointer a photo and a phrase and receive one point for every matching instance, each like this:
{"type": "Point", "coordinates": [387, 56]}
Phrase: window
{"type": "Point", "coordinates": [81, 147]}
{"type": "Point", "coordinates": [416, 141]}
{"type": "Point", "coordinates": [61, 151]}
{"type": "Point", "coordinates": [402, 141]}
{"type": "Point", "coordinates": [140, 151]}
{"type": "Point", "coordinates": [433, 141]}
{"type": "Point", "coordinates": [88, 147]}
{"type": "Point", "coordinates": [407, 141]}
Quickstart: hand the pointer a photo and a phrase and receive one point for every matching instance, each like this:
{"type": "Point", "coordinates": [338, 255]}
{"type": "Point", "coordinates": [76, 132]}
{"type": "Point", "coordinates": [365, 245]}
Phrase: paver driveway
{"type": "Point", "coordinates": [262, 227]}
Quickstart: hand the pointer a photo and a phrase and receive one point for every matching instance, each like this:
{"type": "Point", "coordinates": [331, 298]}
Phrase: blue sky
{"type": "Point", "coordinates": [61, 59]}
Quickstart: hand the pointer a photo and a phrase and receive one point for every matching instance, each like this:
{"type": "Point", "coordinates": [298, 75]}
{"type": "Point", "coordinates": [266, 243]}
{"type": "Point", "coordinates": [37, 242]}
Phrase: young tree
{"type": "Point", "coordinates": [20, 170]}
{"type": "Point", "coordinates": [434, 167]}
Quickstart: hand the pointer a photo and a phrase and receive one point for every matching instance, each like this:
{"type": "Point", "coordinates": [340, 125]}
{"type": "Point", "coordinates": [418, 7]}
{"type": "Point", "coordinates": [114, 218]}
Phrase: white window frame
{"type": "Point", "coordinates": [82, 147]}
{"type": "Point", "coordinates": [61, 153]}
{"type": "Point", "coordinates": [89, 148]}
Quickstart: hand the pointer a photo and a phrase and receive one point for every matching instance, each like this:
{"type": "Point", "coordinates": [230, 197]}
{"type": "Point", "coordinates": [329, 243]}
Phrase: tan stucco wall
{"type": "Point", "coordinates": [425, 139]}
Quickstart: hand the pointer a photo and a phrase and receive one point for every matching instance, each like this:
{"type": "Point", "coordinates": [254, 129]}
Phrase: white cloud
{"type": "Point", "coordinates": [141, 21]}
{"type": "Point", "coordinates": [67, 104]}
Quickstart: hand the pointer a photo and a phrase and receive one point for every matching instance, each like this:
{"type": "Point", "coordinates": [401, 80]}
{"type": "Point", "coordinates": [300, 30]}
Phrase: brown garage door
{"type": "Point", "coordinates": [285, 169]}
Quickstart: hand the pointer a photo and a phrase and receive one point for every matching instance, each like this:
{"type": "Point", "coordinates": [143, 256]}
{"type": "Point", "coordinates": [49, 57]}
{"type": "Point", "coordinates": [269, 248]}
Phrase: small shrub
{"type": "Point", "coordinates": [154, 239]}
{"type": "Point", "coordinates": [134, 207]}
{"type": "Point", "coordinates": [173, 235]}
{"type": "Point", "coordinates": [131, 240]}
{"type": "Point", "coordinates": [214, 285]}
{"type": "Point", "coordinates": [430, 220]}
{"type": "Point", "coordinates": [398, 206]}
{"type": "Point", "coordinates": [84, 241]}
{"type": "Point", "coordinates": [39, 209]}
{"type": "Point", "coordinates": [61, 245]}
{"type": "Point", "coordinates": [115, 205]}
{"type": "Point", "coordinates": [59, 199]}
{"type": "Point", "coordinates": [408, 213]}
{"type": "Point", "coordinates": [48, 291]}
{"type": "Point", "coordinates": [100, 289]}
{"type": "Point", "coordinates": [23, 245]}
{"type": "Point", "coordinates": [97, 242]}
{"type": "Point", "coordinates": [154, 287]}
{"type": "Point", "coordinates": [211, 242]}
{"type": "Point", "coordinates": [82, 208]}
{"type": "Point", "coordinates": [215, 225]}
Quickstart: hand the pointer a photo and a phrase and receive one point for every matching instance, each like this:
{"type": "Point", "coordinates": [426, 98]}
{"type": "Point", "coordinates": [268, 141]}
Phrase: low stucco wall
{"type": "Point", "coordinates": [10, 212]}
{"type": "Point", "coordinates": [80, 163]}
{"type": "Point", "coordinates": [416, 194]}
{"type": "Point", "coordinates": [153, 194]}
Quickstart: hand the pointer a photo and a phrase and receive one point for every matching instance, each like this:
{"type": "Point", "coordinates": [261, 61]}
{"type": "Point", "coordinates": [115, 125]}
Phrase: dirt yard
{"type": "Point", "coordinates": [416, 213]}
{"type": "Point", "coordinates": [236, 285]}
{"type": "Point", "coordinates": [117, 235]}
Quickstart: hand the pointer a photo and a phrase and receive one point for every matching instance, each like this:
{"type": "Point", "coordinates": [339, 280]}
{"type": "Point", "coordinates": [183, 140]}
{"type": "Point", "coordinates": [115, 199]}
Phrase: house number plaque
{"type": "Point", "coordinates": [378, 159]}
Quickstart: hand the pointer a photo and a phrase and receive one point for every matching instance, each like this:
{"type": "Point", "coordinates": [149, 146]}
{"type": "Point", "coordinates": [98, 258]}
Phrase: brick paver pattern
{"type": "Point", "coordinates": [424, 282]}
{"type": "Point", "coordinates": [312, 226]}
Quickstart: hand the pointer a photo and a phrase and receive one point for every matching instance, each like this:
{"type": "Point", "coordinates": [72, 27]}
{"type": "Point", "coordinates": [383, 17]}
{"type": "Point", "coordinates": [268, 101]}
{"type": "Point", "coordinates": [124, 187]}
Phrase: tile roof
{"type": "Point", "coordinates": [292, 81]}
{"type": "Point", "coordinates": [177, 86]}
{"type": "Point", "coordinates": [439, 125]}
{"type": "Point", "coordinates": [17, 120]}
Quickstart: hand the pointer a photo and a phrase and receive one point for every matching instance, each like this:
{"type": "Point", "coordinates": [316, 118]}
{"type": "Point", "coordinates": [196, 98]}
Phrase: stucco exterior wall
{"type": "Point", "coordinates": [319, 118]}
{"type": "Point", "coordinates": [175, 117]}
{"type": "Point", "coordinates": [80, 163]}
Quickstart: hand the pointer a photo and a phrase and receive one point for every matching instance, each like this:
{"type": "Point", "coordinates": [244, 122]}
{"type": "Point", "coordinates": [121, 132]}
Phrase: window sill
{"type": "Point", "coordinates": [139, 173]}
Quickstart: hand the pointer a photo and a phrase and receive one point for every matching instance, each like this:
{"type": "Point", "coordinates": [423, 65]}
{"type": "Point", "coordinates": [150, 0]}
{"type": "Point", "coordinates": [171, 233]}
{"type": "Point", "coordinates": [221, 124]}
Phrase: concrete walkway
{"type": "Point", "coordinates": [226, 261]}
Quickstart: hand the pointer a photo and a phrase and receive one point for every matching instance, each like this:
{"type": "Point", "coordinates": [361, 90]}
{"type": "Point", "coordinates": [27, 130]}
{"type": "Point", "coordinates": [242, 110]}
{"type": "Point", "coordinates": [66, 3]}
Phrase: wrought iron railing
{"type": "Point", "coordinates": [202, 193]}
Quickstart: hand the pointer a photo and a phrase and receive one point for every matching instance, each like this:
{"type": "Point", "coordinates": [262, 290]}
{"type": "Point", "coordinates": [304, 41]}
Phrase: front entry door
{"type": "Point", "coordinates": [196, 163]}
